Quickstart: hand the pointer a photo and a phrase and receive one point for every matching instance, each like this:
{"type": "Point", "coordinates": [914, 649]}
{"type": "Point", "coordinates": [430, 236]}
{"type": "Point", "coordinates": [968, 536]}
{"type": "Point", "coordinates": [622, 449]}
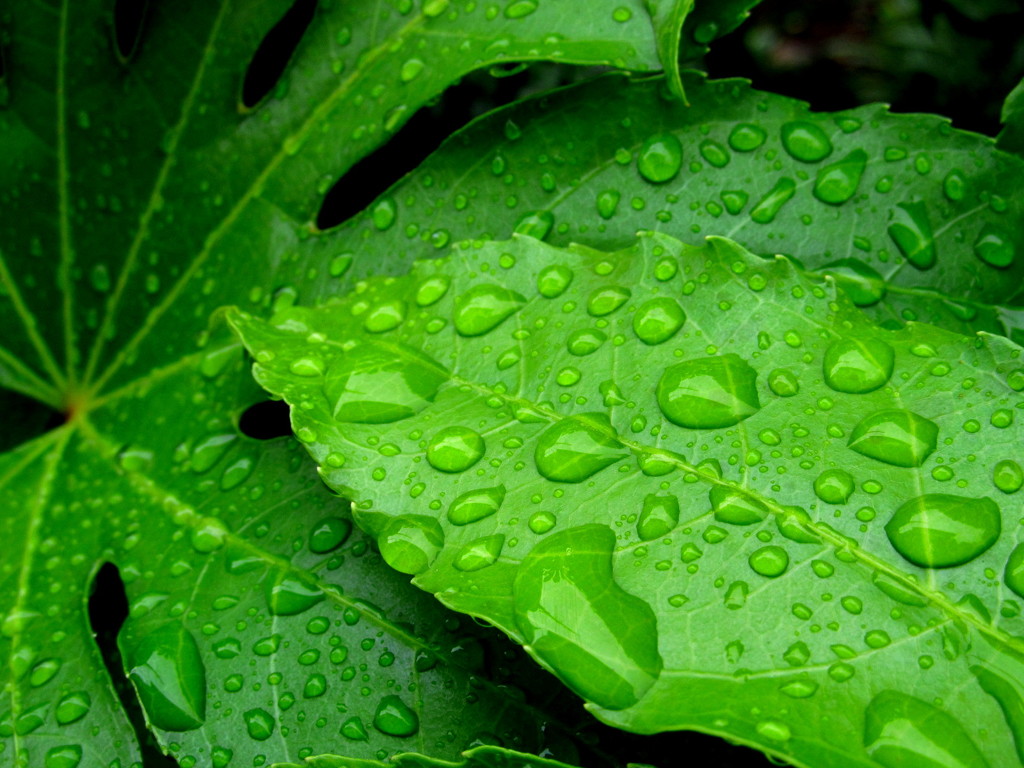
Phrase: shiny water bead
{"type": "Point", "coordinates": [858, 365]}
{"type": "Point", "coordinates": [575, 449]}
{"type": "Point", "coordinates": [287, 595]}
{"type": "Point", "coordinates": [895, 436]}
{"type": "Point", "coordinates": [542, 522]}
{"type": "Point", "coordinates": [994, 247]}
{"type": "Point", "coordinates": [746, 137]}
{"type": "Point", "coordinates": [328, 534]}
{"type": "Point", "coordinates": [911, 230]}
{"type": "Point", "coordinates": [370, 384]}
{"type": "Point", "coordinates": [768, 207]}
{"type": "Point", "coordinates": [783, 382]}
{"type": "Point", "coordinates": [484, 307]}
{"type": "Point", "coordinates": [475, 505]}
{"type": "Point", "coordinates": [716, 154]}
{"type": "Point", "coordinates": [660, 158]}
{"type": "Point", "coordinates": [940, 530]}
{"type": "Point", "coordinates": [834, 486]}
{"type": "Point", "coordinates": [658, 320]}
{"type": "Point", "coordinates": [709, 393]}
{"type": "Point", "coordinates": [432, 290]}
{"type": "Point", "coordinates": [410, 543]}
{"type": "Point", "coordinates": [770, 562]}
{"type": "Point", "coordinates": [614, 667]}
{"type": "Point", "coordinates": [659, 515]}
{"type": "Point", "coordinates": [608, 203]}
{"type": "Point", "coordinates": [604, 301]}
{"type": "Point", "coordinates": [552, 281]}
{"type": "Point", "coordinates": [735, 507]}
{"type": "Point", "coordinates": [806, 141]}
{"type": "Point", "coordinates": [585, 341]}
{"type": "Point", "coordinates": [838, 182]}
{"type": "Point", "coordinates": [480, 553]}
{"type": "Point", "coordinates": [864, 285]}
{"type": "Point", "coordinates": [385, 317]}
{"type": "Point", "coordinates": [1008, 476]}
{"type": "Point", "coordinates": [455, 449]}
{"type": "Point", "coordinates": [1013, 574]}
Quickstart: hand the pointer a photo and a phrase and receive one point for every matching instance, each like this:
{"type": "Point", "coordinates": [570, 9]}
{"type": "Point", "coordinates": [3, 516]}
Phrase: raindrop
{"type": "Point", "coordinates": [939, 530]}
{"type": "Point", "coordinates": [455, 449]}
{"type": "Point", "coordinates": [410, 543]}
{"type": "Point", "coordinates": [660, 159]}
{"type": "Point", "coordinates": [484, 307]}
{"type": "Point", "coordinates": [858, 366]}
{"type": "Point", "coordinates": [576, 448]}
{"type": "Point", "coordinates": [709, 393]}
{"type": "Point", "coordinates": [898, 437]}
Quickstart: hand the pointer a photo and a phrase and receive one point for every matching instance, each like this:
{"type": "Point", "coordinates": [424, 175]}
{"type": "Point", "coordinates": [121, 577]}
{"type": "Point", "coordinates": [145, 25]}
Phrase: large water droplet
{"type": "Point", "coordinates": [901, 731]}
{"type": "Point", "coordinates": [287, 596]}
{"type": "Point", "coordinates": [369, 384]}
{"type": "Point", "coordinates": [455, 449]}
{"type": "Point", "coordinates": [574, 449]}
{"type": "Point", "coordinates": [746, 137]}
{"type": "Point", "coordinates": [735, 507]}
{"type": "Point", "coordinates": [328, 534]}
{"type": "Point", "coordinates": [168, 674]}
{"type": "Point", "coordinates": [602, 640]}
{"type": "Point", "coordinates": [838, 182]}
{"type": "Point", "coordinates": [484, 307]}
{"type": "Point", "coordinates": [259, 724]}
{"type": "Point", "coordinates": [864, 285]}
{"type": "Point", "coordinates": [410, 543]}
{"type": "Point", "coordinates": [994, 247]}
{"type": "Point", "coordinates": [606, 300]}
{"type": "Point", "coordinates": [660, 514]}
{"type": "Point", "coordinates": [395, 718]}
{"type": "Point", "coordinates": [552, 281]}
{"type": "Point", "coordinates": [770, 562]}
{"type": "Point", "coordinates": [709, 392]}
{"type": "Point", "coordinates": [806, 141]}
{"type": "Point", "coordinates": [911, 230]}
{"type": "Point", "coordinates": [476, 505]}
{"type": "Point", "coordinates": [769, 206]}
{"type": "Point", "coordinates": [661, 157]}
{"type": "Point", "coordinates": [658, 320]}
{"type": "Point", "coordinates": [834, 486]}
{"type": "Point", "coordinates": [1008, 476]}
{"type": "Point", "coordinates": [939, 530]}
{"type": "Point", "coordinates": [895, 436]}
{"type": "Point", "coordinates": [480, 553]}
{"type": "Point", "coordinates": [1013, 574]}
{"type": "Point", "coordinates": [857, 366]}
{"type": "Point", "coordinates": [73, 707]}
{"type": "Point", "coordinates": [64, 756]}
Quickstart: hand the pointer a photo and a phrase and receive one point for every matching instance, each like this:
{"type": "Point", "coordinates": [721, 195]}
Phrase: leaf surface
{"type": "Point", "coordinates": [701, 487]}
{"type": "Point", "coordinates": [1011, 138]}
{"type": "Point", "coordinates": [139, 194]}
{"type": "Point", "coordinates": [918, 218]}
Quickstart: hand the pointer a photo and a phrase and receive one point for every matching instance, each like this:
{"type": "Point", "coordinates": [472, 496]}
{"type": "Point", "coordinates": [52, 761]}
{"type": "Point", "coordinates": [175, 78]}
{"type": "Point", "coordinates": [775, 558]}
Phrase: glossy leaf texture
{"type": "Point", "coordinates": [917, 220]}
{"type": "Point", "coordinates": [133, 188]}
{"type": "Point", "coordinates": [478, 757]}
{"type": "Point", "coordinates": [709, 21]}
{"type": "Point", "coordinates": [701, 487]}
{"type": "Point", "coordinates": [1011, 138]}
{"type": "Point", "coordinates": [139, 194]}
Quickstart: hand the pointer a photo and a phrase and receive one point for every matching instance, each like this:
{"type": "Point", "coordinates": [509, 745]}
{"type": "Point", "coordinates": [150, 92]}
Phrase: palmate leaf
{"type": "Point", "coordinates": [138, 195]}
{"type": "Point", "coordinates": [701, 487]}
{"type": "Point", "coordinates": [918, 220]}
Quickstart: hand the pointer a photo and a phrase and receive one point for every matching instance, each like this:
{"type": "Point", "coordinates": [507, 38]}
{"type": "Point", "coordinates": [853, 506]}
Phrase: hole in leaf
{"type": "Point", "coordinates": [129, 16]}
{"type": "Point", "coordinates": [23, 417]}
{"type": "Point", "coordinates": [266, 420]}
{"type": "Point", "coordinates": [108, 609]}
{"type": "Point", "coordinates": [275, 51]}
{"type": "Point", "coordinates": [476, 94]}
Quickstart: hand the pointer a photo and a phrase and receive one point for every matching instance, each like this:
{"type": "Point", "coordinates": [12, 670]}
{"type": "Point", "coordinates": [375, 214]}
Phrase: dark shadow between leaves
{"type": "Point", "coordinates": [129, 17]}
{"type": "Point", "coordinates": [274, 52]}
{"type": "Point", "coordinates": [266, 420]}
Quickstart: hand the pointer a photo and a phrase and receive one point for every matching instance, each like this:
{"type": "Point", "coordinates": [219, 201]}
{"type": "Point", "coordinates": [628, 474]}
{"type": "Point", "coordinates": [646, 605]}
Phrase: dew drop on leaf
{"type": "Point", "coordinates": [838, 182]}
{"type": "Point", "coordinates": [484, 307]}
{"type": "Point", "coordinates": [395, 718]}
{"type": "Point", "coordinates": [259, 723]}
{"type": "Point", "coordinates": [834, 486]}
{"type": "Point", "coordinates": [938, 530]}
{"type": "Point", "coordinates": [900, 730]}
{"type": "Point", "coordinates": [895, 436]}
{"type": "Point", "coordinates": [911, 231]}
{"type": "Point", "coordinates": [660, 158]}
{"type": "Point", "coordinates": [473, 506]}
{"type": "Point", "coordinates": [480, 553]}
{"type": "Point", "coordinates": [455, 449]}
{"type": "Point", "coordinates": [770, 561]}
{"type": "Point", "coordinates": [658, 320]}
{"type": "Point", "coordinates": [577, 448]}
{"type": "Point", "coordinates": [658, 516]}
{"type": "Point", "coordinates": [858, 366]}
{"type": "Point", "coordinates": [709, 393]}
{"type": "Point", "coordinates": [410, 543]}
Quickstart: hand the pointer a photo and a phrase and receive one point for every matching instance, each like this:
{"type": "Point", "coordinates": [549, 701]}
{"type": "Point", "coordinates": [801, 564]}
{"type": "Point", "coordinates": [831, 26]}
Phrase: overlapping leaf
{"type": "Point", "coordinates": [919, 220]}
{"type": "Point", "coordinates": [139, 194]}
{"type": "Point", "coordinates": [701, 487]}
{"type": "Point", "coordinates": [1012, 136]}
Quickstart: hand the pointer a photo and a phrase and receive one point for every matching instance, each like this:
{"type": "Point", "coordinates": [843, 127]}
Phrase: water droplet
{"type": "Point", "coordinates": [735, 507]}
{"type": "Point", "coordinates": [209, 535]}
{"type": "Point", "coordinates": [574, 449]}
{"type": "Point", "coordinates": [806, 141]}
{"type": "Point", "coordinates": [259, 723]}
{"type": "Point", "coordinates": [574, 616]}
{"type": "Point", "coordinates": [769, 562]}
{"type": "Point", "coordinates": [585, 341]}
{"type": "Point", "coordinates": [383, 214]}
{"type": "Point", "coordinates": [432, 290]}
{"type": "Point", "coordinates": [307, 366]}
{"type": "Point", "coordinates": [608, 203]}
{"type": "Point", "coordinates": [384, 317]}
{"type": "Point", "coordinates": [774, 730]}
{"type": "Point", "coordinates": [709, 393]}
{"type": "Point", "coordinates": [857, 366]}
{"type": "Point", "coordinates": [783, 382]}
{"type": "Point", "coordinates": [955, 186]}
{"type": "Point", "coordinates": [354, 729]}
{"type": "Point", "coordinates": [938, 530]}
{"type": "Point", "coordinates": [209, 451]}
{"type": "Point", "coordinates": [659, 515]}
{"type": "Point", "coordinates": [484, 307]}
{"type": "Point", "coordinates": [410, 543]}
{"type": "Point", "coordinates": [864, 285]}
{"type": "Point", "coordinates": [660, 159]}
{"type": "Point", "coordinates": [328, 534]}
{"type": "Point", "coordinates": [455, 449]}
{"type": "Point", "coordinates": [834, 486]}
{"type": "Point", "coordinates": [799, 689]}
{"type": "Point", "coordinates": [606, 300]}
{"type": "Point", "coordinates": [542, 522]}
{"type": "Point", "coordinates": [1008, 476]}
{"type": "Point", "coordinates": [73, 707]}
{"type": "Point", "coordinates": [911, 230]}
{"type": "Point", "coordinates": [287, 596]}
{"type": "Point", "coordinates": [994, 247]}
{"type": "Point", "coordinates": [552, 281]}
{"type": "Point", "coordinates": [901, 731]}
{"type": "Point", "coordinates": [838, 182]}
{"type": "Point", "coordinates": [716, 154]}
{"type": "Point", "coordinates": [658, 320]}
{"type": "Point", "coordinates": [64, 756]}
{"type": "Point", "coordinates": [769, 206]}
{"type": "Point", "coordinates": [746, 137]}
{"type": "Point", "coordinates": [167, 671]}
{"type": "Point", "coordinates": [536, 224]}
{"type": "Point", "coordinates": [394, 717]}
{"type": "Point", "coordinates": [378, 385]}
{"type": "Point", "coordinates": [480, 553]}
{"type": "Point", "coordinates": [410, 70]}
{"type": "Point", "coordinates": [898, 437]}
{"type": "Point", "coordinates": [476, 505]}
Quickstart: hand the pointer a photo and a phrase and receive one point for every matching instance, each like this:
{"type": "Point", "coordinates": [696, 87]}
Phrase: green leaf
{"type": "Point", "coordinates": [668, 18]}
{"type": "Point", "coordinates": [701, 487]}
{"type": "Point", "coordinates": [711, 20]}
{"type": "Point", "coordinates": [139, 194]}
{"type": "Point", "coordinates": [1011, 138]}
{"type": "Point", "coordinates": [905, 176]}
{"type": "Point", "coordinates": [478, 757]}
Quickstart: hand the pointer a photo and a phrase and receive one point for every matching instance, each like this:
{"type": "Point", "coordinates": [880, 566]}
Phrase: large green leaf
{"type": "Point", "coordinates": [138, 195]}
{"type": "Point", "coordinates": [916, 176]}
{"type": "Point", "coordinates": [1012, 136]}
{"type": "Point", "coordinates": [701, 487]}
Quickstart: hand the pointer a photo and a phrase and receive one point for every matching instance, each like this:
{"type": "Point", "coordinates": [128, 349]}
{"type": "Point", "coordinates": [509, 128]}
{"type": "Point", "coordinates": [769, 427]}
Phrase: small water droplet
{"type": "Point", "coordinates": [259, 724]}
{"type": "Point", "coordinates": [659, 515]}
{"type": "Point", "coordinates": [838, 182]}
{"type": "Point", "coordinates": [994, 247]}
{"type": "Point", "coordinates": [480, 553]}
{"type": "Point", "coordinates": [660, 158]}
{"type": "Point", "coordinates": [473, 506]}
